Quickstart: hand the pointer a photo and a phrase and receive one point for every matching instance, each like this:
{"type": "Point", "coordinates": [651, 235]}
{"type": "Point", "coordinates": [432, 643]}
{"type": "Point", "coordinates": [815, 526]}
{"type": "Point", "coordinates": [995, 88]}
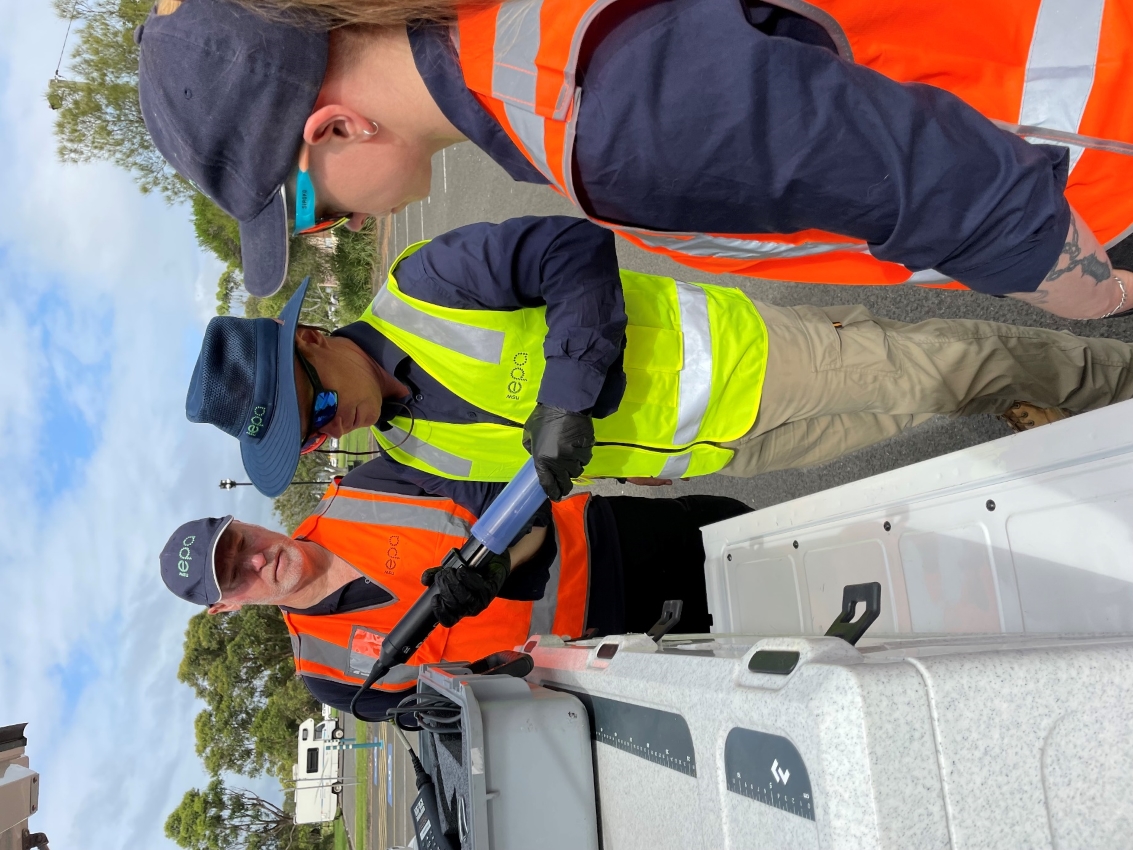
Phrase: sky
{"type": "Point", "coordinates": [104, 297]}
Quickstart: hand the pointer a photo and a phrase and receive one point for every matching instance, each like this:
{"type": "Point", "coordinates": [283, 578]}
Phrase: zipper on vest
{"type": "Point", "coordinates": [659, 451]}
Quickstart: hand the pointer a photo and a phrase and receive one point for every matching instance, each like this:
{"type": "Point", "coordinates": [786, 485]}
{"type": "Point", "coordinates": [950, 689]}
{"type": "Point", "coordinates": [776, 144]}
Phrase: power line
{"type": "Point", "coordinates": [63, 49]}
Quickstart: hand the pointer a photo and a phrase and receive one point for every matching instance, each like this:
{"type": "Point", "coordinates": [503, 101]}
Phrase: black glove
{"type": "Point", "coordinates": [466, 591]}
{"type": "Point", "coordinates": [562, 443]}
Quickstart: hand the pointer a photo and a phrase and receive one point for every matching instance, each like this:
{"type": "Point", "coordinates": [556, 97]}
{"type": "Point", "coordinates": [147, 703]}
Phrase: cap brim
{"type": "Point", "coordinates": [224, 523]}
{"type": "Point", "coordinates": [264, 242]}
{"type": "Point", "coordinates": [272, 460]}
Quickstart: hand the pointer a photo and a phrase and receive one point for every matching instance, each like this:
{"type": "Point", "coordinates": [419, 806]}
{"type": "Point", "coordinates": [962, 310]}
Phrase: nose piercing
{"type": "Point", "coordinates": [373, 132]}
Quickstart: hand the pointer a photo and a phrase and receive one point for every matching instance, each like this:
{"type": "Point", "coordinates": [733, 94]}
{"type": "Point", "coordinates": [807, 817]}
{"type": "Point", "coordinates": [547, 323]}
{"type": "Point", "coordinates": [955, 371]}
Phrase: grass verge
{"type": "Point", "coordinates": [362, 790]}
{"type": "Point", "coordinates": [341, 842]}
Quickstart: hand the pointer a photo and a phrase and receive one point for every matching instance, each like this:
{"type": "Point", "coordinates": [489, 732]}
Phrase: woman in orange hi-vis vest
{"type": "Point", "coordinates": [834, 141]}
{"type": "Point", "coordinates": [355, 566]}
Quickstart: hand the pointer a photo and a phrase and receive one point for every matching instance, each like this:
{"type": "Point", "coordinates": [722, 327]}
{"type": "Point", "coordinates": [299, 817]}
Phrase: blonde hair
{"type": "Point", "coordinates": [363, 13]}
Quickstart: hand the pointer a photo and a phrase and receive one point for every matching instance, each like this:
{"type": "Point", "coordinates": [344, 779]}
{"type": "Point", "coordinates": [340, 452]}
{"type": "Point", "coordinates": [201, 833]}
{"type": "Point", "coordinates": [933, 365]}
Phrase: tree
{"type": "Point", "coordinates": [223, 818]}
{"type": "Point", "coordinates": [299, 500]}
{"type": "Point", "coordinates": [97, 112]}
{"type": "Point", "coordinates": [241, 666]}
{"type": "Point", "coordinates": [216, 230]}
{"type": "Point", "coordinates": [228, 288]}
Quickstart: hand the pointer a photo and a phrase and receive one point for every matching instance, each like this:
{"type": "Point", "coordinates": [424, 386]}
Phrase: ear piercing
{"type": "Point", "coordinates": [374, 132]}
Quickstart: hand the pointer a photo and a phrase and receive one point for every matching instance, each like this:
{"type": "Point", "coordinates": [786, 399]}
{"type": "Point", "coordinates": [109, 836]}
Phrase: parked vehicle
{"type": "Point", "coordinates": [318, 771]}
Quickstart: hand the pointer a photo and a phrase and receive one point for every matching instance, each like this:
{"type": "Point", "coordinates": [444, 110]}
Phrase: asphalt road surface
{"type": "Point", "coordinates": [382, 780]}
{"type": "Point", "coordinates": [468, 187]}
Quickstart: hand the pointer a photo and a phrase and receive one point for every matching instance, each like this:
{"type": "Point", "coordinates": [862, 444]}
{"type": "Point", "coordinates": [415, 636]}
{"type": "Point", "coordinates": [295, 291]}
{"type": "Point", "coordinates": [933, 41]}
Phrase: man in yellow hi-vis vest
{"type": "Point", "coordinates": [493, 341]}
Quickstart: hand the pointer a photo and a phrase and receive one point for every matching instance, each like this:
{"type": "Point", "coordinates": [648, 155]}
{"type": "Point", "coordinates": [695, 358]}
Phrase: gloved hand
{"type": "Point", "coordinates": [466, 591]}
{"type": "Point", "coordinates": [562, 443]}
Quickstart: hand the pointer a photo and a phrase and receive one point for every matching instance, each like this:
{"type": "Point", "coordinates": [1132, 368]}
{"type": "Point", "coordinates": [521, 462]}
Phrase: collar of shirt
{"type": "Point", "coordinates": [428, 398]}
{"type": "Point", "coordinates": [355, 595]}
{"type": "Point", "coordinates": [436, 61]}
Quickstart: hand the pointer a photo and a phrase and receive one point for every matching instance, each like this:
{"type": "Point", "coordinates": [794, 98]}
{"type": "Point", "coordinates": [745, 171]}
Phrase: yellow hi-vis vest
{"type": "Point", "coordinates": [695, 359]}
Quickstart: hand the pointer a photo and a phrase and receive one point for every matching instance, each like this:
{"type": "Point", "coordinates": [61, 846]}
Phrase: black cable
{"type": "Point", "coordinates": [433, 712]}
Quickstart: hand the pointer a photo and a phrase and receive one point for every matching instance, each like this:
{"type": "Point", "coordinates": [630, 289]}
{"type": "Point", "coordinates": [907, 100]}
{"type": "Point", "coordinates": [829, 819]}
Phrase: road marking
{"type": "Point", "coordinates": [444, 169]}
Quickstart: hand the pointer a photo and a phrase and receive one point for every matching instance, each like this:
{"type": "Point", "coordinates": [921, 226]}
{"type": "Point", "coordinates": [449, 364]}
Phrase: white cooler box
{"type": "Point", "coordinates": [957, 742]}
{"type": "Point", "coordinates": [1032, 533]}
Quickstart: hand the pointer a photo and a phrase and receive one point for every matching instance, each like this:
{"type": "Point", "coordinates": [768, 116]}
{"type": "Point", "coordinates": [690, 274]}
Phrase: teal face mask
{"type": "Point", "coordinates": [305, 220]}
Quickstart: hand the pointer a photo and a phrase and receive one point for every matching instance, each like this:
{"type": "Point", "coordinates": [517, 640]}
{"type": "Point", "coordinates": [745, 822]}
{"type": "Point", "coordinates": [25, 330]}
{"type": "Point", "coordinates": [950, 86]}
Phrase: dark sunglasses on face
{"type": "Point", "coordinates": [323, 409]}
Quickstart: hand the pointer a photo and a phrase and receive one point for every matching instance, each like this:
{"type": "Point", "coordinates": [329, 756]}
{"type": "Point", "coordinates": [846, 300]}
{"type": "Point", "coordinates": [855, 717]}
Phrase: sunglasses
{"type": "Point", "coordinates": [323, 409]}
{"type": "Point", "coordinates": [306, 223]}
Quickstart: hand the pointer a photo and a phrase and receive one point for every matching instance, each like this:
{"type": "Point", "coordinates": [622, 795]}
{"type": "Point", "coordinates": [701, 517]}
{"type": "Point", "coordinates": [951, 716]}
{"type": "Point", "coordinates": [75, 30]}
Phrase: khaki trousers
{"type": "Point", "coordinates": [830, 390]}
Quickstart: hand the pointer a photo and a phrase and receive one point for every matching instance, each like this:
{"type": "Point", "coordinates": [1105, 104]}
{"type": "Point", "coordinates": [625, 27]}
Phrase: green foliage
{"type": "Point", "coordinates": [240, 665]}
{"type": "Point", "coordinates": [97, 112]}
{"type": "Point", "coordinates": [216, 230]}
{"type": "Point", "coordinates": [354, 262]}
{"type": "Point", "coordinates": [299, 500]}
{"type": "Point", "coordinates": [230, 283]}
{"type": "Point", "coordinates": [223, 818]}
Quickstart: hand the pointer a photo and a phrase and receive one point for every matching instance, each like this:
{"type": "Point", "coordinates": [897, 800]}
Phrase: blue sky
{"type": "Point", "coordinates": [105, 299]}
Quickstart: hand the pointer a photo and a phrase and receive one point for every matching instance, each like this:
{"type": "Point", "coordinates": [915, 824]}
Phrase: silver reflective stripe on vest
{"type": "Point", "coordinates": [738, 248]}
{"type": "Point", "coordinates": [318, 651]}
{"type": "Point", "coordinates": [446, 462]}
{"type": "Point", "coordinates": [695, 381]}
{"type": "Point", "coordinates": [543, 610]}
{"type": "Point", "coordinates": [1061, 65]}
{"type": "Point", "coordinates": [380, 512]}
{"type": "Point", "coordinates": [928, 276]}
{"type": "Point", "coordinates": [513, 54]}
{"type": "Point", "coordinates": [481, 344]}
{"type": "Point", "coordinates": [529, 127]}
{"type": "Point", "coordinates": [675, 466]}
{"type": "Point", "coordinates": [514, 74]}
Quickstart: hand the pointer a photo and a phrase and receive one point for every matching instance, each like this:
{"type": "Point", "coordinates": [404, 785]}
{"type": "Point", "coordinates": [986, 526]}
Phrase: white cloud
{"type": "Point", "coordinates": [90, 641]}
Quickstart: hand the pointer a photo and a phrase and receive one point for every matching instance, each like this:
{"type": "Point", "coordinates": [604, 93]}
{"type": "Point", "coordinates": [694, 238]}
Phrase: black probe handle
{"type": "Point", "coordinates": [413, 628]}
{"type": "Point", "coordinates": [403, 640]}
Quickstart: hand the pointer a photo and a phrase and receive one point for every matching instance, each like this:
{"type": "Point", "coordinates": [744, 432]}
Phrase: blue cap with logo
{"type": "Point", "coordinates": [244, 384]}
{"type": "Point", "coordinates": [225, 94]}
{"type": "Point", "coordinates": [188, 561]}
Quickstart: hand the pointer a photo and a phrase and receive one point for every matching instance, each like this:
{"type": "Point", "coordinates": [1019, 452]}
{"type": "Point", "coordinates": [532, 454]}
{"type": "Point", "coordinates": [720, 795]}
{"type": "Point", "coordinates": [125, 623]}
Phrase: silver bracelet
{"type": "Point", "coordinates": [1121, 303]}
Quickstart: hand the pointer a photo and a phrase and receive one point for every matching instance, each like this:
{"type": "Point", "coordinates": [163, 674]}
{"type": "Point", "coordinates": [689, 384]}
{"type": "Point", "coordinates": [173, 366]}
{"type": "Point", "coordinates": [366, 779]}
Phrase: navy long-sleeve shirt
{"type": "Point", "coordinates": [568, 264]}
{"type": "Point", "coordinates": [694, 119]}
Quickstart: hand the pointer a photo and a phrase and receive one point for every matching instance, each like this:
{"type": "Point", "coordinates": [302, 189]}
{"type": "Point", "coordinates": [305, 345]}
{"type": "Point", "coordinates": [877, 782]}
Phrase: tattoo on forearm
{"type": "Point", "coordinates": [1090, 265]}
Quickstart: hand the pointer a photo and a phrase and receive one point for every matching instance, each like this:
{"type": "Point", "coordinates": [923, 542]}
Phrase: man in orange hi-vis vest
{"type": "Point", "coordinates": [353, 568]}
{"type": "Point", "coordinates": [829, 141]}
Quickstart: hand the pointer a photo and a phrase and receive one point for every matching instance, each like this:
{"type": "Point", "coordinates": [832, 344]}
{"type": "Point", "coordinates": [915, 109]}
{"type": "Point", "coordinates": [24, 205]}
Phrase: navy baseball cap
{"type": "Point", "coordinates": [244, 384]}
{"type": "Point", "coordinates": [188, 561]}
{"type": "Point", "coordinates": [225, 94]}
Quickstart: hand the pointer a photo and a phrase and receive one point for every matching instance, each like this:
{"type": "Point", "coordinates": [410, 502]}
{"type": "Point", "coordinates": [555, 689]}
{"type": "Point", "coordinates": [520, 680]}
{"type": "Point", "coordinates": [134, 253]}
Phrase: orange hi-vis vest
{"type": "Point", "coordinates": [1055, 70]}
{"type": "Point", "coordinates": [391, 540]}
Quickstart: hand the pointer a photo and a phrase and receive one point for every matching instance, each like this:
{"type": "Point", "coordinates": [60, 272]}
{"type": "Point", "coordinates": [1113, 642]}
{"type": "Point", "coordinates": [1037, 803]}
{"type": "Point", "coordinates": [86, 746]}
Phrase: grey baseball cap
{"type": "Point", "coordinates": [225, 94]}
{"type": "Point", "coordinates": [188, 561]}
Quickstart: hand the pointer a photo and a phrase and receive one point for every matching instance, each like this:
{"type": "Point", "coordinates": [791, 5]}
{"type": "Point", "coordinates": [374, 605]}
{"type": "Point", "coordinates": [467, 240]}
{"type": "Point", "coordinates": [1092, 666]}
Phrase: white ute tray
{"type": "Point", "coordinates": [1002, 741]}
{"type": "Point", "coordinates": [1032, 533]}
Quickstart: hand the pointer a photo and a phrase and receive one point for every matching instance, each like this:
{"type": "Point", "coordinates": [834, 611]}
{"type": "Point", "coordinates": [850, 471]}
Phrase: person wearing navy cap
{"type": "Point", "coordinates": [635, 553]}
{"type": "Point", "coordinates": [733, 137]}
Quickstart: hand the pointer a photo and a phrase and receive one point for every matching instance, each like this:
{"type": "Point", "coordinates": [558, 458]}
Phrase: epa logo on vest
{"type": "Point", "coordinates": [517, 375]}
{"type": "Point", "coordinates": [392, 555]}
{"type": "Point", "coordinates": [185, 555]}
{"type": "Point", "coordinates": [259, 414]}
